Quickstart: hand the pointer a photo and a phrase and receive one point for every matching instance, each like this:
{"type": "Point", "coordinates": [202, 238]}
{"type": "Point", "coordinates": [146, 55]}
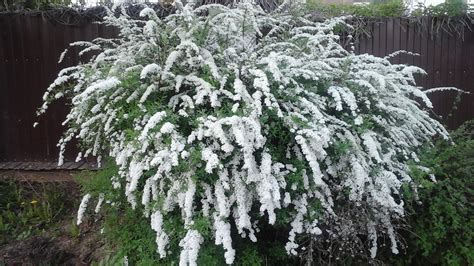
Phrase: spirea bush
{"type": "Point", "coordinates": [233, 118]}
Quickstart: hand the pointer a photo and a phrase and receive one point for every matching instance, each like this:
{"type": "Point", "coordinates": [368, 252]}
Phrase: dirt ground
{"type": "Point", "coordinates": [60, 244]}
{"type": "Point", "coordinates": [56, 247]}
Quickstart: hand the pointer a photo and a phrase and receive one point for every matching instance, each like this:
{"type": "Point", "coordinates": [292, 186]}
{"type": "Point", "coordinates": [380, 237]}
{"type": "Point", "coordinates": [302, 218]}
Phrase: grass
{"type": "Point", "coordinates": [28, 209]}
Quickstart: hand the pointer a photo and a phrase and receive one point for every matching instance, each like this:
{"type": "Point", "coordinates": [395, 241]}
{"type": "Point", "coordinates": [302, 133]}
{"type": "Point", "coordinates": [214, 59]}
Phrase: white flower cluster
{"type": "Point", "coordinates": [218, 111]}
{"type": "Point", "coordinates": [82, 208]}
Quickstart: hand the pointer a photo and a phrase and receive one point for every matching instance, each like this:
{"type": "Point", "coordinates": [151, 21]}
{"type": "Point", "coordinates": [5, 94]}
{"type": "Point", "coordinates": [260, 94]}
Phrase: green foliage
{"type": "Point", "coordinates": [391, 8]}
{"type": "Point", "coordinates": [130, 235]}
{"type": "Point", "coordinates": [28, 209]}
{"type": "Point", "coordinates": [74, 230]}
{"type": "Point", "coordinates": [251, 258]}
{"type": "Point", "coordinates": [95, 182]}
{"type": "Point", "coordinates": [450, 8]}
{"type": "Point", "coordinates": [443, 225]}
{"type": "Point", "coordinates": [452, 16]}
{"type": "Point", "coordinates": [110, 259]}
{"type": "Point", "coordinates": [11, 5]}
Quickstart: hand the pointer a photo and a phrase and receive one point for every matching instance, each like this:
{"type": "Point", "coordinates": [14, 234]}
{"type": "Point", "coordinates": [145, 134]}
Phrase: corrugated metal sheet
{"type": "Point", "coordinates": [446, 57]}
{"type": "Point", "coordinates": [30, 47]}
{"type": "Point", "coordinates": [29, 51]}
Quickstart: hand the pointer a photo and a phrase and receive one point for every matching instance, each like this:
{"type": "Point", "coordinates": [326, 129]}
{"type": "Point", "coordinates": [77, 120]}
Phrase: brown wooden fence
{"type": "Point", "coordinates": [30, 47]}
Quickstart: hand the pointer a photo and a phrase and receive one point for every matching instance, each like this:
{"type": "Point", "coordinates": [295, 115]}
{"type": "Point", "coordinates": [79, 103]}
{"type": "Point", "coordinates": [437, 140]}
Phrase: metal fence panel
{"type": "Point", "coordinates": [446, 57]}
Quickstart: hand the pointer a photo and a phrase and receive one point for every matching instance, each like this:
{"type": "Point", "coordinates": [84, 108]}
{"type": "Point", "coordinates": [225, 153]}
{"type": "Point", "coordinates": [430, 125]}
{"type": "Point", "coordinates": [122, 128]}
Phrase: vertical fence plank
{"type": "Point", "coordinates": [31, 75]}
{"type": "Point", "coordinates": [375, 49]}
{"type": "Point", "coordinates": [39, 139]}
{"type": "Point", "coordinates": [389, 36]}
{"type": "Point", "coordinates": [55, 109]}
{"type": "Point", "coordinates": [20, 83]}
{"type": "Point", "coordinates": [12, 136]}
{"type": "Point", "coordinates": [444, 100]}
{"type": "Point", "coordinates": [369, 42]}
{"type": "Point", "coordinates": [430, 57]}
{"type": "Point", "coordinates": [466, 106]}
{"type": "Point", "coordinates": [3, 85]}
{"type": "Point", "coordinates": [404, 40]}
{"type": "Point", "coordinates": [456, 73]}
{"type": "Point", "coordinates": [362, 44]}
{"type": "Point", "coordinates": [382, 47]}
{"type": "Point", "coordinates": [449, 79]}
{"type": "Point", "coordinates": [46, 44]}
{"type": "Point", "coordinates": [417, 44]}
{"type": "Point", "coordinates": [410, 43]}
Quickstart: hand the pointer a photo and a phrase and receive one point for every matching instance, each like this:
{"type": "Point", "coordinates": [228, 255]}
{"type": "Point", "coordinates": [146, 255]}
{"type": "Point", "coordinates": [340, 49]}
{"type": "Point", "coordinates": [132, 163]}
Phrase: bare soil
{"type": "Point", "coordinates": [52, 248]}
{"type": "Point", "coordinates": [61, 243]}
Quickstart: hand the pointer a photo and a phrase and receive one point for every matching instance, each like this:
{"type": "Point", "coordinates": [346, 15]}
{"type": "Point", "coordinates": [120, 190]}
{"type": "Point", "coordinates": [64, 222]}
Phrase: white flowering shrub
{"type": "Point", "coordinates": [242, 118]}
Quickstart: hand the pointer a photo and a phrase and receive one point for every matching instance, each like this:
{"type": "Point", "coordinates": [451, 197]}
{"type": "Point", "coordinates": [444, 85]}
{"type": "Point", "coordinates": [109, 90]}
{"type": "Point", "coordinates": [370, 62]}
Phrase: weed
{"type": "Point", "coordinates": [27, 209]}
